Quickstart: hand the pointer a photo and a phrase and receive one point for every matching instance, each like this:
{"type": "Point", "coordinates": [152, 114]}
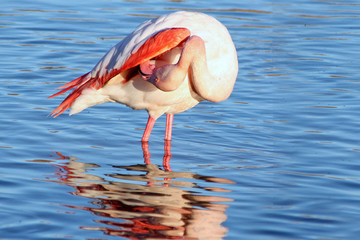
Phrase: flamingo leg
{"type": "Point", "coordinates": [167, 157]}
{"type": "Point", "coordinates": [149, 127]}
{"type": "Point", "coordinates": [169, 123]}
{"type": "Point", "coordinates": [146, 152]}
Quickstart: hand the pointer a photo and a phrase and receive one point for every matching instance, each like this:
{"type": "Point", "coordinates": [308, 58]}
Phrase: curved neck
{"type": "Point", "coordinates": [193, 60]}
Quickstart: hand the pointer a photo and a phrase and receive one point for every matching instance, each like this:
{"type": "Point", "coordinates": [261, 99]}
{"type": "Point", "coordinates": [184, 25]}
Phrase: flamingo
{"type": "Point", "coordinates": [167, 65]}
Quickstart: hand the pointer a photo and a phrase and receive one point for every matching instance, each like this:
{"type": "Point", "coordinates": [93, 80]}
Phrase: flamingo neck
{"type": "Point", "coordinates": [192, 62]}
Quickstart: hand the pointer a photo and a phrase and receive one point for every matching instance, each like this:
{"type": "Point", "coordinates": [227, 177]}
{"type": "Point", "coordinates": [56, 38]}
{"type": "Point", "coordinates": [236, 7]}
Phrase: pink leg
{"type": "Point", "coordinates": [146, 153]}
{"type": "Point", "coordinates": [169, 123]}
{"type": "Point", "coordinates": [167, 156]}
{"type": "Point", "coordinates": [149, 126]}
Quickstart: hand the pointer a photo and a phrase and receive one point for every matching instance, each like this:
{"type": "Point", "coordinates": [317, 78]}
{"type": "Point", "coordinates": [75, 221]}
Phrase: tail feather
{"type": "Point", "coordinates": [79, 84]}
{"type": "Point", "coordinates": [74, 82]}
{"type": "Point", "coordinates": [68, 101]}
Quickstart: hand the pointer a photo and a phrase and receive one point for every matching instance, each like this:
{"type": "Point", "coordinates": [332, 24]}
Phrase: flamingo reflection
{"type": "Point", "coordinates": [151, 204]}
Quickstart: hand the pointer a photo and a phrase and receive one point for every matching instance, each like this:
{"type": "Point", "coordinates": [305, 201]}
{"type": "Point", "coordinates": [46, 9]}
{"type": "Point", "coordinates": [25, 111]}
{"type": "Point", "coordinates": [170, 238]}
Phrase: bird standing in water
{"type": "Point", "coordinates": [166, 66]}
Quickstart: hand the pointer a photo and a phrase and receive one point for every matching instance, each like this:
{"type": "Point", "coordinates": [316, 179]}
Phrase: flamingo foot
{"type": "Point", "coordinates": [146, 152]}
{"type": "Point", "coordinates": [167, 156]}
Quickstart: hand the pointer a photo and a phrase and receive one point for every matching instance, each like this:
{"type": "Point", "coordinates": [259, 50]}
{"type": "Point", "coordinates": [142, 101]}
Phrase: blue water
{"type": "Point", "coordinates": [278, 160]}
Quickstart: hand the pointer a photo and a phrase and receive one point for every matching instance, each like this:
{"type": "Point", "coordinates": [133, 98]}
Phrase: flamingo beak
{"type": "Point", "coordinates": [146, 69]}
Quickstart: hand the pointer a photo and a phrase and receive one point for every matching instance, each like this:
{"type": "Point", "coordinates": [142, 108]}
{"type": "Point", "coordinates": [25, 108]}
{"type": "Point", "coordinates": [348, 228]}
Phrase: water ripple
{"type": "Point", "coordinates": [277, 160]}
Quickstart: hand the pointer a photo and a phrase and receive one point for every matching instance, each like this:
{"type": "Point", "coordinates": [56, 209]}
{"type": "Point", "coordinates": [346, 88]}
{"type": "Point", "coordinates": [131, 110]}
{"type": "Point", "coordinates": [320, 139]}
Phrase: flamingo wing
{"type": "Point", "coordinates": [134, 50]}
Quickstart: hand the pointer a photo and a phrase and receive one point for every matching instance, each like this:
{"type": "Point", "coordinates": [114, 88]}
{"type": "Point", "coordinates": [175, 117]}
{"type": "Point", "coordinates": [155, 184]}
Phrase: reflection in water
{"type": "Point", "coordinates": [151, 205]}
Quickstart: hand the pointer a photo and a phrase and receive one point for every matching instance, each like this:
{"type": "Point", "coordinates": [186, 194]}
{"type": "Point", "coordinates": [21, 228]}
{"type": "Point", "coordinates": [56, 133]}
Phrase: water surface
{"type": "Point", "coordinates": [277, 160]}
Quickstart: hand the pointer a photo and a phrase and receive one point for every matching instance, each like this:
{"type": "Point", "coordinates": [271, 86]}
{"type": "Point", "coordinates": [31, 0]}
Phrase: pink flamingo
{"type": "Point", "coordinates": [166, 66]}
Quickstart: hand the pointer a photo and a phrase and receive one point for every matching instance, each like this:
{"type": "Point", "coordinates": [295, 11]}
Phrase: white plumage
{"type": "Point", "coordinates": [220, 57]}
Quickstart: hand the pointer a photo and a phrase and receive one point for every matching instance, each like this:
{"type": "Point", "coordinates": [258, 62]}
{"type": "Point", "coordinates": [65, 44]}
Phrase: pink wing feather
{"type": "Point", "coordinates": [155, 45]}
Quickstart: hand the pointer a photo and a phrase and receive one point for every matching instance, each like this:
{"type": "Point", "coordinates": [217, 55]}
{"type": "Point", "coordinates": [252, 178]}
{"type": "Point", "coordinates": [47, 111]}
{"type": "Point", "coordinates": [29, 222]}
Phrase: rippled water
{"type": "Point", "coordinates": [278, 160]}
